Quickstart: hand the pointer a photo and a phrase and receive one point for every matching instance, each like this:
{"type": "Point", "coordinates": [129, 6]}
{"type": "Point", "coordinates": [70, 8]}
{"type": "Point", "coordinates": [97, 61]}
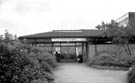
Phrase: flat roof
{"type": "Point", "coordinates": [83, 33]}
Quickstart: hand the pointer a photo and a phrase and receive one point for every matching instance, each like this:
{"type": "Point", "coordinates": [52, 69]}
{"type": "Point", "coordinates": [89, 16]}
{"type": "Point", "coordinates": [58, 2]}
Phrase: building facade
{"type": "Point", "coordinates": [72, 43]}
{"type": "Point", "coordinates": [68, 43]}
{"type": "Point", "coordinates": [127, 19]}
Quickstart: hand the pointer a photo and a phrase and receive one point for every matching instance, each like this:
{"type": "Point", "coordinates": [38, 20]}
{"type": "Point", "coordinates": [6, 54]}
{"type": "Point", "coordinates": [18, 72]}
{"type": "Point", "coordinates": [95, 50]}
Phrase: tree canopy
{"type": "Point", "coordinates": [119, 34]}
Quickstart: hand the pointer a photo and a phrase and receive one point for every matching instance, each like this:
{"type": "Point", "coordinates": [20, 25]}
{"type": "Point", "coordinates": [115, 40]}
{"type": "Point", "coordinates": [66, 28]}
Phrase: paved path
{"type": "Point", "coordinates": [81, 73]}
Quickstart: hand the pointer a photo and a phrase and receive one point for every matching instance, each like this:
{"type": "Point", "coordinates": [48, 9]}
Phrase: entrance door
{"type": "Point", "coordinates": [68, 53]}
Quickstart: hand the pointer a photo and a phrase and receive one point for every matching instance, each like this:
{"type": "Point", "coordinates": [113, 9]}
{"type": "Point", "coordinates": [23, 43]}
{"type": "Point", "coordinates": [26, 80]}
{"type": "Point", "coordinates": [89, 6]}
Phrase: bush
{"type": "Point", "coordinates": [46, 67]}
{"type": "Point", "coordinates": [50, 59]}
{"type": "Point", "coordinates": [12, 64]}
{"type": "Point", "coordinates": [106, 59]}
{"type": "Point", "coordinates": [21, 63]}
{"type": "Point", "coordinates": [39, 81]}
{"type": "Point", "coordinates": [131, 75]}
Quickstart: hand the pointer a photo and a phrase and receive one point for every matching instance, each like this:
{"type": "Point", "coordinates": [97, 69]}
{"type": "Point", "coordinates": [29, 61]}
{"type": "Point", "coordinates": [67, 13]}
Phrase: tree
{"type": "Point", "coordinates": [1, 38]}
{"type": "Point", "coordinates": [8, 37]}
{"type": "Point", "coordinates": [101, 27]}
{"type": "Point", "coordinates": [120, 35]}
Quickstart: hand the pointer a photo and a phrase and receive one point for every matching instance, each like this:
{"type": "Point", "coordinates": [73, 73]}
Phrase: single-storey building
{"type": "Point", "coordinates": [69, 43]}
{"type": "Point", "coordinates": [72, 43]}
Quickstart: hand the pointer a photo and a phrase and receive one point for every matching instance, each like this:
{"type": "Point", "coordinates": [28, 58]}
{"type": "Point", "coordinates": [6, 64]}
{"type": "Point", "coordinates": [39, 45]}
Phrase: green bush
{"type": "Point", "coordinates": [131, 75]}
{"type": "Point", "coordinates": [50, 59]}
{"type": "Point", "coordinates": [21, 63]}
{"type": "Point", "coordinates": [106, 59]}
{"type": "Point", "coordinates": [46, 67]}
{"type": "Point", "coordinates": [12, 64]}
{"type": "Point", "coordinates": [39, 81]}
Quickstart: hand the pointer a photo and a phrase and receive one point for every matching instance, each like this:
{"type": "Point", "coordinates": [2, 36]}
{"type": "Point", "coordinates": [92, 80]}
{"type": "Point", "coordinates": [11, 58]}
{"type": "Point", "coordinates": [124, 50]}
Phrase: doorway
{"type": "Point", "coordinates": [69, 51]}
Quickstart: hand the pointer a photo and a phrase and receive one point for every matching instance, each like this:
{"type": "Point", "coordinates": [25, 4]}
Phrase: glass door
{"type": "Point", "coordinates": [67, 52]}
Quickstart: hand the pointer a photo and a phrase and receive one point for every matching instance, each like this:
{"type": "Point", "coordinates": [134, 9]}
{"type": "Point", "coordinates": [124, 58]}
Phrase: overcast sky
{"type": "Point", "coordinates": [23, 17]}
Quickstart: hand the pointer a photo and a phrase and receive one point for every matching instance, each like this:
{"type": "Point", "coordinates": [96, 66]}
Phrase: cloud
{"type": "Point", "coordinates": [33, 5]}
{"type": "Point", "coordinates": [21, 16]}
{"type": "Point", "coordinates": [1, 1]}
{"type": "Point", "coordinates": [34, 16]}
{"type": "Point", "coordinates": [24, 6]}
{"type": "Point", "coordinates": [24, 17]}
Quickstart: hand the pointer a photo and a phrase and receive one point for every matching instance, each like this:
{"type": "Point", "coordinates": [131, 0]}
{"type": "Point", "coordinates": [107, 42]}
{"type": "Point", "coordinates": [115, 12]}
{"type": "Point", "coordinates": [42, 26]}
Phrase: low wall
{"type": "Point", "coordinates": [109, 48]}
{"type": "Point", "coordinates": [91, 51]}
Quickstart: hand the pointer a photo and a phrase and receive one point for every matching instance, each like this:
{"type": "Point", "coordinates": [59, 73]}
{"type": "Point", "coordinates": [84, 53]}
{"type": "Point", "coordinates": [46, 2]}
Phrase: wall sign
{"type": "Point", "coordinates": [68, 39]}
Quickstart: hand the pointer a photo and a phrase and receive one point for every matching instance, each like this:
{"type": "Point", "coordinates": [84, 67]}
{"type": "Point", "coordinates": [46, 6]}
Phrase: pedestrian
{"type": "Point", "coordinates": [57, 56]}
{"type": "Point", "coordinates": [80, 59]}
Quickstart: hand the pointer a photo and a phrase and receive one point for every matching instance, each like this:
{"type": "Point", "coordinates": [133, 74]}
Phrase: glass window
{"type": "Point", "coordinates": [40, 45]}
{"type": "Point", "coordinates": [48, 44]}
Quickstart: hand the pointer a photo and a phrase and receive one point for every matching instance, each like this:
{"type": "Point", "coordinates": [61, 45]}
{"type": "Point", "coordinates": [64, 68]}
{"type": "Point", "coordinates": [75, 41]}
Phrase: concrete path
{"type": "Point", "coordinates": [81, 73]}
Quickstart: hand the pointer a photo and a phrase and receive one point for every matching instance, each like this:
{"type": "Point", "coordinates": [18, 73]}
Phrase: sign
{"type": "Point", "coordinates": [68, 39]}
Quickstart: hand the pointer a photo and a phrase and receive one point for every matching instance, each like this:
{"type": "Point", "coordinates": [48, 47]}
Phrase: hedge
{"type": "Point", "coordinates": [106, 59]}
{"type": "Point", "coordinates": [22, 63]}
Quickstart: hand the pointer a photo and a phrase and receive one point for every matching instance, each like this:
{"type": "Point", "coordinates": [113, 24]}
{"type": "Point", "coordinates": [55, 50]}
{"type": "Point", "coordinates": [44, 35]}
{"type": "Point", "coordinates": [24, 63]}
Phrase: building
{"type": "Point", "coordinates": [72, 43]}
{"type": "Point", "coordinates": [69, 43]}
{"type": "Point", "coordinates": [127, 19]}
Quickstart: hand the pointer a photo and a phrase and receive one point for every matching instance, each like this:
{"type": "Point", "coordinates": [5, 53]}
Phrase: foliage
{"type": "Point", "coordinates": [39, 81]}
{"type": "Point", "coordinates": [108, 59]}
{"type": "Point", "coordinates": [50, 59]}
{"type": "Point", "coordinates": [21, 63]}
{"type": "Point", "coordinates": [131, 75]}
{"type": "Point", "coordinates": [121, 35]}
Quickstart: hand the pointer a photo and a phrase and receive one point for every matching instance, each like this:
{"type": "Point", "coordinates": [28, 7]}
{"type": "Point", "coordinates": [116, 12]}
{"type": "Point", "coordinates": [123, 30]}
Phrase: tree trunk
{"type": "Point", "coordinates": [129, 50]}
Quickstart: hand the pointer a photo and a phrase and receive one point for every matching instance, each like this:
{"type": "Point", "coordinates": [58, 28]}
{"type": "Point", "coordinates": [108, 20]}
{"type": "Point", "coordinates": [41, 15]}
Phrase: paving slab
{"type": "Point", "coordinates": [81, 73]}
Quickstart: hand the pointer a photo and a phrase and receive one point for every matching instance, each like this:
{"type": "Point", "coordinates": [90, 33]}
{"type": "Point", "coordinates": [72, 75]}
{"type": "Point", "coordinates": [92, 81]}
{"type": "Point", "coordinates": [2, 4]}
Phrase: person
{"type": "Point", "coordinates": [57, 56]}
{"type": "Point", "coordinates": [80, 59]}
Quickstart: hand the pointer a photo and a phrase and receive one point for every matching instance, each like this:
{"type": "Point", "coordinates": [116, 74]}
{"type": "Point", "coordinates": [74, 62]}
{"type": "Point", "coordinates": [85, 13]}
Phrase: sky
{"type": "Point", "coordinates": [24, 17]}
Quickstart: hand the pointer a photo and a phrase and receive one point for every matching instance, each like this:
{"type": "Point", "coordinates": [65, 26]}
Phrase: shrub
{"type": "Point", "coordinates": [131, 75]}
{"type": "Point", "coordinates": [39, 81]}
{"type": "Point", "coordinates": [46, 67]}
{"type": "Point", "coordinates": [12, 64]}
{"type": "Point", "coordinates": [106, 59]}
{"type": "Point", "coordinates": [50, 59]}
{"type": "Point", "coordinates": [21, 63]}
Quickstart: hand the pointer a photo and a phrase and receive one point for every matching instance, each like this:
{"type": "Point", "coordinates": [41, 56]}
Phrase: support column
{"type": "Point", "coordinates": [60, 51]}
{"type": "Point", "coordinates": [83, 51]}
{"type": "Point", "coordinates": [96, 47]}
{"type": "Point", "coordinates": [60, 47]}
{"type": "Point", "coordinates": [52, 49]}
{"type": "Point", "coordinates": [87, 50]}
{"type": "Point", "coordinates": [75, 51]}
